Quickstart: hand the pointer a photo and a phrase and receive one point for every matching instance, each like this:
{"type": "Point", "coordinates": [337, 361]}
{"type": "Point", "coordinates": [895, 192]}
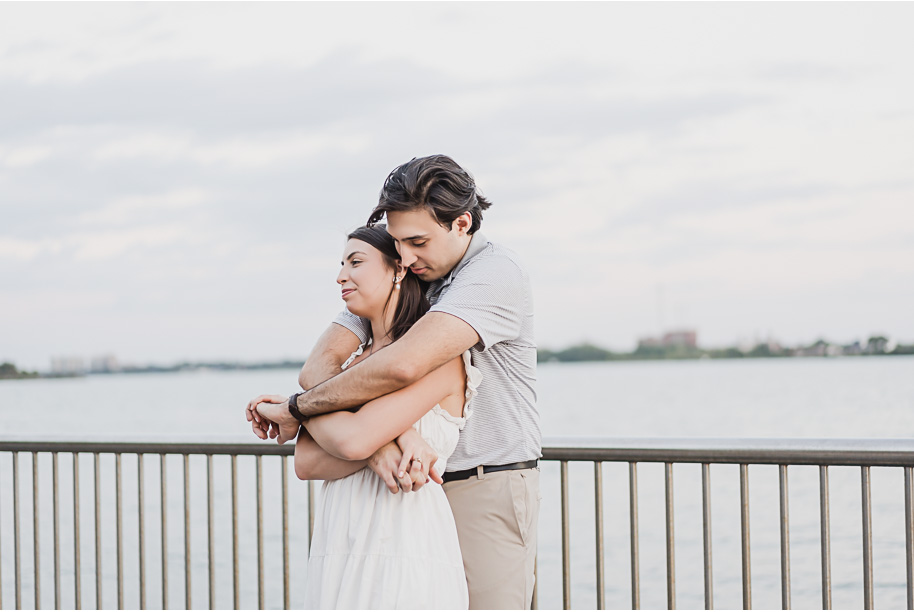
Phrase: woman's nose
{"type": "Point", "coordinates": [342, 276]}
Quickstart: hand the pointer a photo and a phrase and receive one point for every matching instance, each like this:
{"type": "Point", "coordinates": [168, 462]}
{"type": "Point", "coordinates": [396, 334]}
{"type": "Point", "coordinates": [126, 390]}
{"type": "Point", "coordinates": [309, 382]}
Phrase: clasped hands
{"type": "Point", "coordinates": [405, 464]}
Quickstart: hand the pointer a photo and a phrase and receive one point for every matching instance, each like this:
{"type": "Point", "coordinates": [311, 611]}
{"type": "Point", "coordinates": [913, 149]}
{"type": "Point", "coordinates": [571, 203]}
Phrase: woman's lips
{"type": "Point", "coordinates": [346, 293]}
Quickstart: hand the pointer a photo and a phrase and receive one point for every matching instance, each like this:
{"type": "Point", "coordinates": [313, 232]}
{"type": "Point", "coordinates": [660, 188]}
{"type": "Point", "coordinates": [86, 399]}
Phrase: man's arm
{"type": "Point", "coordinates": [357, 435]}
{"type": "Point", "coordinates": [434, 340]}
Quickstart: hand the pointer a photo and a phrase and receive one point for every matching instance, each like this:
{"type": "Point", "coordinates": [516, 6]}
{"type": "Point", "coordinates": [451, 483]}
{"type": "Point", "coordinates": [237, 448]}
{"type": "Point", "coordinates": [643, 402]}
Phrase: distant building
{"type": "Point", "coordinates": [68, 365]}
{"type": "Point", "coordinates": [104, 364]}
{"type": "Point", "coordinates": [686, 337]}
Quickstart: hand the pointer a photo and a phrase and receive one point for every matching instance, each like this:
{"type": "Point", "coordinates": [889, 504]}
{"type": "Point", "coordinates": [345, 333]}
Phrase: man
{"type": "Point", "coordinates": [481, 300]}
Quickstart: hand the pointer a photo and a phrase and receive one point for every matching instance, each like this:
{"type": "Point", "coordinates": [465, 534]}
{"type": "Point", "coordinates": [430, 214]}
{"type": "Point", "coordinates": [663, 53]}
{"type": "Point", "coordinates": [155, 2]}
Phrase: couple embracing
{"type": "Point", "coordinates": [419, 410]}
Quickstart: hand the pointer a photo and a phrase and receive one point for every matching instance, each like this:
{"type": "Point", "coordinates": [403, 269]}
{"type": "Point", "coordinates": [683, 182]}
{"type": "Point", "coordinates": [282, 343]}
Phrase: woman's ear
{"type": "Point", "coordinates": [401, 271]}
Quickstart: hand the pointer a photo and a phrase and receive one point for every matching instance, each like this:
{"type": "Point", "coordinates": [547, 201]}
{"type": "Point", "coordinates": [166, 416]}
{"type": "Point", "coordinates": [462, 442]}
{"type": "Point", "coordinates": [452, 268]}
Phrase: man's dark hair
{"type": "Point", "coordinates": [435, 183]}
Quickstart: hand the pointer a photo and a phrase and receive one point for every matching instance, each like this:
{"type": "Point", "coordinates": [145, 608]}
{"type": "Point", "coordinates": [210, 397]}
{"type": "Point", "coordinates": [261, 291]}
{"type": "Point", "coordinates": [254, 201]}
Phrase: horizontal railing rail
{"type": "Point", "coordinates": [783, 453]}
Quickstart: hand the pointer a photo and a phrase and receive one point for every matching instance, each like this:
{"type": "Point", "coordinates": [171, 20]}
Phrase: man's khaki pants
{"type": "Point", "coordinates": [497, 518]}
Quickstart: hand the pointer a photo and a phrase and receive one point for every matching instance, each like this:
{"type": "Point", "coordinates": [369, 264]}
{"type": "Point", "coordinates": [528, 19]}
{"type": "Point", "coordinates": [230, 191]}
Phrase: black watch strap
{"type": "Point", "coordinates": [293, 406]}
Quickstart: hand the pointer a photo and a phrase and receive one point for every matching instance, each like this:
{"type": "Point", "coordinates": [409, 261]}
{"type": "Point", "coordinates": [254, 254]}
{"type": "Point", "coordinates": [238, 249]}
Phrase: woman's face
{"type": "Point", "coordinates": [365, 279]}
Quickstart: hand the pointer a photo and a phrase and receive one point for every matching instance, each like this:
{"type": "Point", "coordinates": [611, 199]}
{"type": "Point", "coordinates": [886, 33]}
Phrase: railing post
{"type": "Point", "coordinates": [141, 529]}
{"type": "Point", "coordinates": [825, 537]}
{"type": "Point", "coordinates": [163, 474]}
{"type": "Point", "coordinates": [633, 531]}
{"type": "Point", "coordinates": [98, 534]}
{"type": "Point", "coordinates": [909, 532]}
{"type": "Point", "coordinates": [188, 593]}
{"type": "Point", "coordinates": [785, 540]}
{"type": "Point", "coordinates": [867, 538]}
{"type": "Point", "coordinates": [670, 540]}
{"type": "Point", "coordinates": [77, 573]}
{"type": "Point", "coordinates": [598, 532]}
{"type": "Point", "coordinates": [36, 531]}
{"type": "Point", "coordinates": [706, 532]}
{"type": "Point", "coordinates": [744, 532]}
{"type": "Point", "coordinates": [566, 540]}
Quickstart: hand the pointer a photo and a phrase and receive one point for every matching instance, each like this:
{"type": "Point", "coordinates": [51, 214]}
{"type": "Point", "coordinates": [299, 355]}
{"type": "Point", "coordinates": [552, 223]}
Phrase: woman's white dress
{"type": "Point", "coordinates": [376, 549]}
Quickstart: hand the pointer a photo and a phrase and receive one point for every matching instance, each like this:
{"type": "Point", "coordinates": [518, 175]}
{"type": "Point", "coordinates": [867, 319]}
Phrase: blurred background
{"type": "Point", "coordinates": [176, 180]}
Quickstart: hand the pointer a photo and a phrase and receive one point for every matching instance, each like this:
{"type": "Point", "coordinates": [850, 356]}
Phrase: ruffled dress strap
{"type": "Point", "coordinates": [474, 377]}
{"type": "Point", "coordinates": [355, 354]}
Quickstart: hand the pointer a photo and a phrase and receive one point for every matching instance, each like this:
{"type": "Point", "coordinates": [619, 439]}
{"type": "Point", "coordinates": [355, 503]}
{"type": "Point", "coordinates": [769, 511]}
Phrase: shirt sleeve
{"type": "Point", "coordinates": [490, 295]}
{"type": "Point", "coordinates": [353, 323]}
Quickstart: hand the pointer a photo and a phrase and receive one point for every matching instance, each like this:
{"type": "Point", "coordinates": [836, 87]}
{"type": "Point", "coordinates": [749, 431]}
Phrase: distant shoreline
{"type": "Point", "coordinates": [582, 353]}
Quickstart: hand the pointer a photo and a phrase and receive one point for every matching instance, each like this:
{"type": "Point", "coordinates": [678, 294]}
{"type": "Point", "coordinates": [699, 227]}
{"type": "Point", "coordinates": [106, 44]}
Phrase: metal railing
{"type": "Point", "coordinates": [740, 452]}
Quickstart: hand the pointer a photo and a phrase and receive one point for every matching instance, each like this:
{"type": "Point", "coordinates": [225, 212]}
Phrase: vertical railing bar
{"type": "Point", "coordinates": [36, 531]}
{"type": "Point", "coordinates": [141, 528]}
{"type": "Point", "coordinates": [98, 534]}
{"type": "Point", "coordinates": [211, 536]}
{"type": "Point", "coordinates": [187, 585]}
{"type": "Point", "coordinates": [744, 533]}
{"type": "Point", "coordinates": [119, 525]}
{"type": "Point", "coordinates": [670, 539]}
{"type": "Point", "coordinates": [260, 593]}
{"type": "Point", "coordinates": [77, 578]}
{"type": "Point", "coordinates": [867, 538]}
{"type": "Point", "coordinates": [1, 554]}
{"type": "Point", "coordinates": [56, 503]}
{"type": "Point", "coordinates": [16, 552]}
{"type": "Point", "coordinates": [285, 534]}
{"type": "Point", "coordinates": [706, 533]}
{"type": "Point", "coordinates": [163, 472]}
{"type": "Point", "coordinates": [598, 512]}
{"type": "Point", "coordinates": [633, 518]}
{"type": "Point", "coordinates": [825, 537]}
{"type": "Point", "coordinates": [785, 539]}
{"type": "Point", "coordinates": [566, 540]}
{"type": "Point", "coordinates": [235, 584]}
{"type": "Point", "coordinates": [909, 532]}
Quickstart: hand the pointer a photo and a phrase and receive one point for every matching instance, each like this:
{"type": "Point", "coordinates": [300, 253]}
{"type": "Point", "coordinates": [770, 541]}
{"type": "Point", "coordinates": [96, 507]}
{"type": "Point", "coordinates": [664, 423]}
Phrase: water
{"type": "Point", "coordinates": [848, 397]}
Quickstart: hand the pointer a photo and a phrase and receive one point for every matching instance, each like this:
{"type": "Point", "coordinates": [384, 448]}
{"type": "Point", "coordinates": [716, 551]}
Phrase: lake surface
{"type": "Point", "coordinates": [816, 398]}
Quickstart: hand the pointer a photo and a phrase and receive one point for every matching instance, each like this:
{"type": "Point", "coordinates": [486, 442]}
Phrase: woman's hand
{"type": "Point", "coordinates": [269, 417]}
{"type": "Point", "coordinates": [418, 460]}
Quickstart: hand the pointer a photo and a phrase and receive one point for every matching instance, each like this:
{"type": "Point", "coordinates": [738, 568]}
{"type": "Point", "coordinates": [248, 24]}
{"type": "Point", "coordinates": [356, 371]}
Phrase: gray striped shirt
{"type": "Point", "coordinates": [490, 291]}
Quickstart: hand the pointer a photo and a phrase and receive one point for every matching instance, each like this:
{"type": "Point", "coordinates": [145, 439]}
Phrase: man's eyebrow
{"type": "Point", "coordinates": [417, 237]}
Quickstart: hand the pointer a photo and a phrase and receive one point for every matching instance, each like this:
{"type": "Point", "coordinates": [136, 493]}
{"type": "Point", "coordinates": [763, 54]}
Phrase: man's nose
{"type": "Point", "coordinates": [407, 257]}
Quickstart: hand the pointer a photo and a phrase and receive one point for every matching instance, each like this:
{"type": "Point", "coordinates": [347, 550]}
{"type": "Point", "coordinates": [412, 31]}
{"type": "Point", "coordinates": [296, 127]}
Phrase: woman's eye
{"type": "Point", "coordinates": [356, 262]}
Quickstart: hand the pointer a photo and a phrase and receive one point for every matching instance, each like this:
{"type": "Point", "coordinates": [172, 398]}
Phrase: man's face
{"type": "Point", "coordinates": [427, 249]}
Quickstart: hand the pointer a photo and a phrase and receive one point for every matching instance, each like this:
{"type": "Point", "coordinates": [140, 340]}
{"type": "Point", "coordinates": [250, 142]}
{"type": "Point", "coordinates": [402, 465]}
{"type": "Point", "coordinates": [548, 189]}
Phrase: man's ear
{"type": "Point", "coordinates": [463, 223]}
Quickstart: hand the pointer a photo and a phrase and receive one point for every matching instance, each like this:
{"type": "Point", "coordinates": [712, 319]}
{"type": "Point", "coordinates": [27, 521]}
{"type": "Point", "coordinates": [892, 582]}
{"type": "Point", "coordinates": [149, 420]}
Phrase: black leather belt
{"type": "Point", "coordinates": [486, 469]}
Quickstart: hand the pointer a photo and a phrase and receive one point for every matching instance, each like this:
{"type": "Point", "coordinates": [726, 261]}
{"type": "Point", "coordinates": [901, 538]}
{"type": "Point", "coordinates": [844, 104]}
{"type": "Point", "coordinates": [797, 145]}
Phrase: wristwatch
{"type": "Point", "coordinates": [293, 407]}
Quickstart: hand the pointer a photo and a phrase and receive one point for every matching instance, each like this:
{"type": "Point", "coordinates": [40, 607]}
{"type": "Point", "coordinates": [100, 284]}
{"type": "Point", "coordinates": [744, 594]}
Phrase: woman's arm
{"type": "Point", "coordinates": [314, 463]}
{"type": "Point", "coordinates": [331, 350]}
{"type": "Point", "coordinates": [354, 436]}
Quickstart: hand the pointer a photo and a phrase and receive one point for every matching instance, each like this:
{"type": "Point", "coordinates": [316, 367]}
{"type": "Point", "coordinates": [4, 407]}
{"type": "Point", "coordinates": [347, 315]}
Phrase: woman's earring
{"type": "Point", "coordinates": [397, 281]}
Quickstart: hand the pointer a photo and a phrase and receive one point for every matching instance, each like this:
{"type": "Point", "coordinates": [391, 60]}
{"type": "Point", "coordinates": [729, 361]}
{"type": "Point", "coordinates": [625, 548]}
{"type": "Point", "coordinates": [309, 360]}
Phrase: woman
{"type": "Point", "coordinates": [372, 548]}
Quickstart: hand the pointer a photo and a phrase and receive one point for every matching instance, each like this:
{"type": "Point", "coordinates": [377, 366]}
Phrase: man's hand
{"type": "Point", "coordinates": [418, 459]}
{"type": "Point", "coordinates": [269, 415]}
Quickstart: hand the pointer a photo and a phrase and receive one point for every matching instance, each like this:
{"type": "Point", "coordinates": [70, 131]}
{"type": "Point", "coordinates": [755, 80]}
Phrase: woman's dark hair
{"type": "Point", "coordinates": [435, 183]}
{"type": "Point", "coordinates": [413, 303]}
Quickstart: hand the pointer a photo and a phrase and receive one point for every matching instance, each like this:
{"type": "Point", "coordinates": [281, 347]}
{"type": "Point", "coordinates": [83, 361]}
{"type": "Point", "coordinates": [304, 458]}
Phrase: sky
{"type": "Point", "coordinates": [177, 180]}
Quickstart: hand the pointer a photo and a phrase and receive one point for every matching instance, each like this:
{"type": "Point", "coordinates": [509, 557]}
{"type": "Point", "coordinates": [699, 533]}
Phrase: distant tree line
{"type": "Point", "coordinates": [876, 345]}
{"type": "Point", "coordinates": [9, 371]}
